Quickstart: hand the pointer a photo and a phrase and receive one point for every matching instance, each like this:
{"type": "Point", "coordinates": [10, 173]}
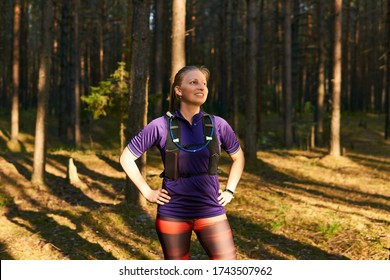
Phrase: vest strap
{"type": "Point", "coordinates": [171, 151]}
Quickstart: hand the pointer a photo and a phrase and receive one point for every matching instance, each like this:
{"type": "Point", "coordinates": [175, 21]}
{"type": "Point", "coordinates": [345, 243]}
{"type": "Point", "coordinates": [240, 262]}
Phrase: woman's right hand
{"type": "Point", "coordinates": [157, 196]}
{"type": "Point", "coordinates": [127, 161]}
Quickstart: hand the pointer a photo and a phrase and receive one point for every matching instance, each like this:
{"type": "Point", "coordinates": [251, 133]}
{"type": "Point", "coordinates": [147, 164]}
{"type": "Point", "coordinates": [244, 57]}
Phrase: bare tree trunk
{"type": "Point", "coordinates": [387, 103]}
{"type": "Point", "coordinates": [178, 36]}
{"type": "Point", "coordinates": [239, 54]}
{"type": "Point", "coordinates": [335, 149]}
{"type": "Point", "coordinates": [296, 76]}
{"type": "Point", "coordinates": [72, 77]}
{"type": "Point", "coordinates": [139, 77]}
{"type": "Point", "coordinates": [228, 57]}
{"type": "Point", "coordinates": [355, 63]}
{"type": "Point", "coordinates": [55, 65]}
{"type": "Point", "coordinates": [25, 100]}
{"type": "Point", "coordinates": [260, 68]}
{"type": "Point", "coordinates": [38, 175]}
{"type": "Point", "coordinates": [14, 144]}
{"type": "Point", "coordinates": [77, 133]}
{"type": "Point", "coordinates": [251, 95]}
{"type": "Point", "coordinates": [321, 78]}
{"type": "Point", "coordinates": [287, 76]}
{"type": "Point", "coordinates": [101, 38]}
{"type": "Point", "coordinates": [129, 23]}
{"type": "Point", "coordinates": [346, 71]}
{"type": "Point", "coordinates": [278, 46]}
{"type": "Point", "coordinates": [158, 58]}
{"type": "Point", "coordinates": [372, 56]}
{"type": "Point", "coordinates": [65, 88]}
{"type": "Point", "coordinates": [4, 56]}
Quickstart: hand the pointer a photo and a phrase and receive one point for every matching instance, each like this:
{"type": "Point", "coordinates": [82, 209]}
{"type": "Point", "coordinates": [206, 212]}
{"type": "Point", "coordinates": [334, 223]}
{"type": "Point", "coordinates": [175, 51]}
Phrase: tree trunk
{"type": "Point", "coordinates": [346, 71]}
{"type": "Point", "coordinates": [287, 76]}
{"type": "Point", "coordinates": [77, 133]}
{"type": "Point", "coordinates": [335, 149]}
{"type": "Point", "coordinates": [103, 11]}
{"type": "Point", "coordinates": [260, 69]}
{"type": "Point", "coordinates": [25, 101]}
{"type": "Point", "coordinates": [139, 77]}
{"type": "Point", "coordinates": [387, 103]}
{"type": "Point", "coordinates": [178, 36]}
{"type": "Point", "coordinates": [372, 56]}
{"type": "Point", "coordinates": [354, 87]}
{"type": "Point", "coordinates": [128, 28]}
{"type": "Point", "coordinates": [296, 83]}
{"type": "Point", "coordinates": [4, 56]}
{"type": "Point", "coordinates": [158, 59]}
{"type": "Point", "coordinates": [55, 65]}
{"type": "Point", "coordinates": [65, 88]}
{"type": "Point", "coordinates": [321, 79]}
{"type": "Point", "coordinates": [238, 58]}
{"type": "Point", "coordinates": [251, 95]}
{"type": "Point", "coordinates": [14, 144]}
{"type": "Point", "coordinates": [228, 58]}
{"type": "Point", "coordinates": [278, 47]}
{"type": "Point", "coordinates": [38, 175]}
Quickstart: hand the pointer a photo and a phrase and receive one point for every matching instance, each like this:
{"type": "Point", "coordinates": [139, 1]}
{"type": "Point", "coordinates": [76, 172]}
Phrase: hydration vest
{"type": "Point", "coordinates": [173, 147]}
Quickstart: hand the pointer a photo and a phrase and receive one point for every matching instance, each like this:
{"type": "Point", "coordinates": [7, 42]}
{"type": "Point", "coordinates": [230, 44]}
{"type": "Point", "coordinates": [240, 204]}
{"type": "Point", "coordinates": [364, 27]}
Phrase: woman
{"type": "Point", "coordinates": [190, 198]}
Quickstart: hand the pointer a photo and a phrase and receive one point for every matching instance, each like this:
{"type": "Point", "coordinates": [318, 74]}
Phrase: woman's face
{"type": "Point", "coordinates": [193, 89]}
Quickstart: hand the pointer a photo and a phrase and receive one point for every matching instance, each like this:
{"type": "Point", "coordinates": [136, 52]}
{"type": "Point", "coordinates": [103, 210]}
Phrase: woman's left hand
{"type": "Point", "coordinates": [224, 197]}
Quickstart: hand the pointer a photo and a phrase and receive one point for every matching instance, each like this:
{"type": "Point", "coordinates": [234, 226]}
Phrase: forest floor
{"type": "Point", "coordinates": [290, 204]}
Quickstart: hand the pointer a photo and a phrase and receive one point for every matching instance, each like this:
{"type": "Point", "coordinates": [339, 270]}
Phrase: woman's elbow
{"type": "Point", "coordinates": [126, 157]}
{"type": "Point", "coordinates": [238, 156]}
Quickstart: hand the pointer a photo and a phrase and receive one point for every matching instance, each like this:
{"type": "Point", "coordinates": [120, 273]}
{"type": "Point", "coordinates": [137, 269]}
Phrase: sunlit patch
{"type": "Point", "coordinates": [63, 221]}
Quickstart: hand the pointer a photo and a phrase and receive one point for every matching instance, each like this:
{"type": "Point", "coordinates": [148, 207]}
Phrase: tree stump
{"type": "Point", "coordinates": [71, 176]}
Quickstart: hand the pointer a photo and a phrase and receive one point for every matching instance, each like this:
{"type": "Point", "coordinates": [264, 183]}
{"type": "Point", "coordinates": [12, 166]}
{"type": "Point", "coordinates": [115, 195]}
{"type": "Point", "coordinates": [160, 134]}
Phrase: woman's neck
{"type": "Point", "coordinates": [189, 111]}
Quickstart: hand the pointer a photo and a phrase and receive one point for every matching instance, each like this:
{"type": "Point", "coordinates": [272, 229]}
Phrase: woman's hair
{"type": "Point", "coordinates": [174, 100]}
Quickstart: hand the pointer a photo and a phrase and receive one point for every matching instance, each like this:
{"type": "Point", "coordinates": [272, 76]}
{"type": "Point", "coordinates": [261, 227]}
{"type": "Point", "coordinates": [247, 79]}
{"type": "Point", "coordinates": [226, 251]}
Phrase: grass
{"type": "Point", "coordinates": [330, 227]}
{"type": "Point", "coordinates": [4, 200]}
{"type": "Point", "coordinates": [280, 219]}
{"type": "Point", "coordinates": [290, 204]}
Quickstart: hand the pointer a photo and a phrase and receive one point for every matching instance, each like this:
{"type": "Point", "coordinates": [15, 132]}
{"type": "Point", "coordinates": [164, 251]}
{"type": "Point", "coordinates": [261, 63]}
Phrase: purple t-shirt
{"type": "Point", "coordinates": [193, 197]}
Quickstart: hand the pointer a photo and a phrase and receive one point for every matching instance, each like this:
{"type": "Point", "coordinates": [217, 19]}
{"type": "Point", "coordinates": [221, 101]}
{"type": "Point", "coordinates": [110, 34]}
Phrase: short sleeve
{"type": "Point", "coordinates": [227, 136]}
{"type": "Point", "coordinates": [151, 135]}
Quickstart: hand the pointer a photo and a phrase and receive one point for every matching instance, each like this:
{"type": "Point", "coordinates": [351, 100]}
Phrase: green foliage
{"type": "Point", "coordinates": [308, 109]}
{"type": "Point", "coordinates": [268, 139]}
{"type": "Point", "coordinates": [4, 200]}
{"type": "Point", "coordinates": [111, 96]}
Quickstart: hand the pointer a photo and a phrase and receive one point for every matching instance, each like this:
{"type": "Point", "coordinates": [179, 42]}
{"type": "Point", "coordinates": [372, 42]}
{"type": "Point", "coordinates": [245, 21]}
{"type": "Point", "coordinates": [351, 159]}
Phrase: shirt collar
{"type": "Point", "coordinates": [196, 118]}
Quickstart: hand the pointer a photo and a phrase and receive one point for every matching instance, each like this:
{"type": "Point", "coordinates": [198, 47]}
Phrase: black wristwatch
{"type": "Point", "coordinates": [229, 191]}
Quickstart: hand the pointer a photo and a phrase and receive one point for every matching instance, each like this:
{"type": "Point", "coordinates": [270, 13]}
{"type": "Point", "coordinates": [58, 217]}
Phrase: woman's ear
{"type": "Point", "coordinates": [177, 91]}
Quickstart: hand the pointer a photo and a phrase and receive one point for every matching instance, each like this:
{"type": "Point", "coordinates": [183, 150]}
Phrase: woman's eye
{"type": "Point", "coordinates": [196, 82]}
